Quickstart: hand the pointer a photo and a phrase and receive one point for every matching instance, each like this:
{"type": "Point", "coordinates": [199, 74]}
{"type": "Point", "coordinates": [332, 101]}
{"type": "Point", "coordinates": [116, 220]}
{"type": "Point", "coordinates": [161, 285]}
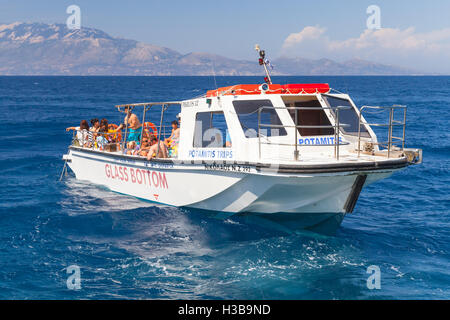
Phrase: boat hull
{"type": "Point", "coordinates": [249, 190]}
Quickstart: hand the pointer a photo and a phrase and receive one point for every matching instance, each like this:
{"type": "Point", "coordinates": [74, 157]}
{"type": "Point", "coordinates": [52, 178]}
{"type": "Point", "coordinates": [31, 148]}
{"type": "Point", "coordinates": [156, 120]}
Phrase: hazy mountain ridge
{"type": "Point", "coordinates": [53, 49]}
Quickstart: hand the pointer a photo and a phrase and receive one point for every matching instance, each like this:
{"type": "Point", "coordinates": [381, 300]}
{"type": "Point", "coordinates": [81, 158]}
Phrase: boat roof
{"type": "Point", "coordinates": [292, 88]}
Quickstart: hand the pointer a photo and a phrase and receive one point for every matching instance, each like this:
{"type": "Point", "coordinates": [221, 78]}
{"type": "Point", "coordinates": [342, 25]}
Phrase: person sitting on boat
{"type": "Point", "coordinates": [132, 148]}
{"type": "Point", "coordinates": [108, 134]}
{"type": "Point", "coordinates": [110, 130]}
{"type": "Point", "coordinates": [172, 141]}
{"type": "Point", "coordinates": [82, 136]}
{"type": "Point", "coordinates": [175, 135]}
{"type": "Point", "coordinates": [95, 125]}
{"type": "Point", "coordinates": [157, 150]}
{"type": "Point", "coordinates": [103, 127]}
{"type": "Point", "coordinates": [145, 147]}
{"type": "Point", "coordinates": [101, 140]}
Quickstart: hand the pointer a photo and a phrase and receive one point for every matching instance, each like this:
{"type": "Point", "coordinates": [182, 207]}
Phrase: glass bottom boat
{"type": "Point", "coordinates": [296, 154]}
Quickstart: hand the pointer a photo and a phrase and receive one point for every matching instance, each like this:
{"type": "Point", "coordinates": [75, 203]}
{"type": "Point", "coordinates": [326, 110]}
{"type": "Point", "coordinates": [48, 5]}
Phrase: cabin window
{"type": "Point", "coordinates": [346, 116]}
{"type": "Point", "coordinates": [313, 117]}
{"type": "Point", "coordinates": [211, 130]}
{"type": "Point", "coordinates": [247, 112]}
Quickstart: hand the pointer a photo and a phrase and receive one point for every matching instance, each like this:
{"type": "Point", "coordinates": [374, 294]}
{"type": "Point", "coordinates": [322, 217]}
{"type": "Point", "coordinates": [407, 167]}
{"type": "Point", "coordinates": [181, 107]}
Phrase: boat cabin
{"type": "Point", "coordinates": [260, 123]}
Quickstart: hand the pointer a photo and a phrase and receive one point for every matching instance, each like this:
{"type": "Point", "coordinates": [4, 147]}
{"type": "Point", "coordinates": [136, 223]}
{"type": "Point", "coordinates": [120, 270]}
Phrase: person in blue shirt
{"type": "Point", "coordinates": [134, 130]}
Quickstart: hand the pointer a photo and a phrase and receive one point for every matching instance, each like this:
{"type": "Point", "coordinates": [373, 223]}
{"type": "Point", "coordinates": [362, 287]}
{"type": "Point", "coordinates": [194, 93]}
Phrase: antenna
{"type": "Point", "coordinates": [214, 73]}
{"type": "Point", "coordinates": [263, 62]}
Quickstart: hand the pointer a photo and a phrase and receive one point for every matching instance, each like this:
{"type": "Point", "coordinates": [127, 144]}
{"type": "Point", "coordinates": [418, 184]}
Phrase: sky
{"type": "Point", "coordinates": [413, 34]}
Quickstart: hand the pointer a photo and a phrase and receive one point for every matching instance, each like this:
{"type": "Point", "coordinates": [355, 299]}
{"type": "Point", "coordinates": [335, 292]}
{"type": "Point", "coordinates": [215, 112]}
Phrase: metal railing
{"type": "Point", "coordinates": [336, 127]}
{"type": "Point", "coordinates": [89, 139]}
{"type": "Point", "coordinates": [128, 109]}
{"type": "Point", "coordinates": [110, 143]}
{"type": "Point", "coordinates": [390, 125]}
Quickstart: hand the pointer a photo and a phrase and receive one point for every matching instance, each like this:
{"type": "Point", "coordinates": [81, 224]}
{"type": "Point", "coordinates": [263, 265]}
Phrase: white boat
{"type": "Point", "coordinates": [297, 154]}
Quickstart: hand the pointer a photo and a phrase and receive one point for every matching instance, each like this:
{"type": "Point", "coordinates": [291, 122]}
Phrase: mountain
{"type": "Point", "coordinates": [302, 66]}
{"type": "Point", "coordinates": [53, 49]}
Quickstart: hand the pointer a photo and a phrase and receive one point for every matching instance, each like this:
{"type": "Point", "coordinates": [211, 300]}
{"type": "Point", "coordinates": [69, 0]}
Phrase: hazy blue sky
{"type": "Point", "coordinates": [413, 34]}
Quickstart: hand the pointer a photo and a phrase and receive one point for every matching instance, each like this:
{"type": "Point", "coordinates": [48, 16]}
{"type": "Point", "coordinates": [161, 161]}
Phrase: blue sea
{"type": "Point", "coordinates": [129, 249]}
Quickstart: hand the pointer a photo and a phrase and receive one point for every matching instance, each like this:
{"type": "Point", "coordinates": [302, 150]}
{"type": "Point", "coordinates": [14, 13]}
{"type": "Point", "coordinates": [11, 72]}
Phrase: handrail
{"type": "Point", "coordinates": [119, 142]}
{"type": "Point", "coordinates": [145, 104]}
{"type": "Point", "coordinates": [86, 138]}
{"type": "Point", "coordinates": [392, 123]}
{"type": "Point", "coordinates": [336, 128]}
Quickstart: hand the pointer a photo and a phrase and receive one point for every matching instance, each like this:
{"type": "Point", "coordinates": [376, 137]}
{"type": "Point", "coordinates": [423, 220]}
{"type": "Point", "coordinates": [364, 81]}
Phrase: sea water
{"type": "Point", "coordinates": [128, 249]}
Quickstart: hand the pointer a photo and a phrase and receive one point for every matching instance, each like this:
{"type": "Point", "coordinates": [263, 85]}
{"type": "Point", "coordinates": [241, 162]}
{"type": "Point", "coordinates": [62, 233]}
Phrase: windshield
{"type": "Point", "coordinates": [346, 116]}
{"type": "Point", "coordinates": [248, 111]}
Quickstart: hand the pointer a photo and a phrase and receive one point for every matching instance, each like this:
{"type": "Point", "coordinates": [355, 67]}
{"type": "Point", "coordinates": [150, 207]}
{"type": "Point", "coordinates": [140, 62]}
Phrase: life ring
{"type": "Point", "coordinates": [150, 125]}
{"type": "Point", "coordinates": [118, 135]}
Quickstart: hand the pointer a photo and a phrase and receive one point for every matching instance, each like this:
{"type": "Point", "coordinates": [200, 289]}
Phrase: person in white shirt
{"type": "Point", "coordinates": [83, 132]}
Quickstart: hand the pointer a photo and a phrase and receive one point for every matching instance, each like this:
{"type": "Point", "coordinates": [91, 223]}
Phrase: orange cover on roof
{"type": "Point", "coordinates": [239, 89]}
{"type": "Point", "coordinates": [244, 89]}
{"type": "Point", "coordinates": [296, 88]}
